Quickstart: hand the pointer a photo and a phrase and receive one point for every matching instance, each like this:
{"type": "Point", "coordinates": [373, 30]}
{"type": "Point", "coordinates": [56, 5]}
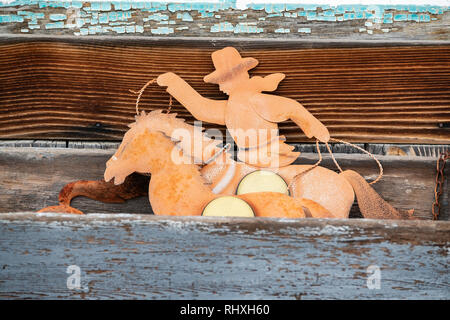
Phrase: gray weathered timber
{"type": "Point", "coordinates": [31, 178]}
{"type": "Point", "coordinates": [150, 257]}
{"type": "Point", "coordinates": [225, 19]}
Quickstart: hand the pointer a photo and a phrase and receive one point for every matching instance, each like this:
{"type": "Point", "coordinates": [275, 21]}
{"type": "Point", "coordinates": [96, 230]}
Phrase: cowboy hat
{"type": "Point", "coordinates": [228, 62]}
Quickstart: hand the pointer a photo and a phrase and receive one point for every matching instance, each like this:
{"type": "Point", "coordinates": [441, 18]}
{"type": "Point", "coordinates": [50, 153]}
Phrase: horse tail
{"type": "Point", "coordinates": [370, 203]}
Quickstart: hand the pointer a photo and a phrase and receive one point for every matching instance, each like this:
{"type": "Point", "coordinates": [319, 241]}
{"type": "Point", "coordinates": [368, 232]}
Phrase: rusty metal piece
{"type": "Point", "coordinates": [61, 208]}
{"type": "Point", "coordinates": [438, 189]}
{"type": "Point", "coordinates": [135, 185]}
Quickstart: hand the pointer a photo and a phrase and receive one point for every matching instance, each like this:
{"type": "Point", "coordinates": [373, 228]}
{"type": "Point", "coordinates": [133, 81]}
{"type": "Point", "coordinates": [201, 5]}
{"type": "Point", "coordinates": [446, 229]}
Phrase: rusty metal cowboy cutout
{"type": "Point", "coordinates": [250, 116]}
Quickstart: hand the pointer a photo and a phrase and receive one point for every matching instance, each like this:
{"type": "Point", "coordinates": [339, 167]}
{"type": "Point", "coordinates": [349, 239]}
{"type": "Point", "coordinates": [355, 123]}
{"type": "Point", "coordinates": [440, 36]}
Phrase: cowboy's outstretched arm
{"type": "Point", "coordinates": [278, 109]}
{"type": "Point", "coordinates": [201, 108]}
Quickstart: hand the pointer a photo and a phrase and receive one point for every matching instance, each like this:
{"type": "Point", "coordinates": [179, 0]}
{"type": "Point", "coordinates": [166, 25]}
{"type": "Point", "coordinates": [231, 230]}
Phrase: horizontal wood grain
{"type": "Point", "coordinates": [31, 178]}
{"type": "Point", "coordinates": [147, 257]}
{"type": "Point", "coordinates": [80, 89]}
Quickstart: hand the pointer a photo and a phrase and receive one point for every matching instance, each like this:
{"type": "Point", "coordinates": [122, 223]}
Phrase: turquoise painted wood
{"type": "Point", "coordinates": [225, 18]}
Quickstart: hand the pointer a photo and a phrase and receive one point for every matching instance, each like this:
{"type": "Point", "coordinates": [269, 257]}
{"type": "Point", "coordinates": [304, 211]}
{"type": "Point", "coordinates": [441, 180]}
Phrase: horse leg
{"type": "Point", "coordinates": [321, 185]}
{"type": "Point", "coordinates": [370, 203]}
{"type": "Point", "coordinates": [314, 210]}
{"type": "Point", "coordinates": [135, 185]}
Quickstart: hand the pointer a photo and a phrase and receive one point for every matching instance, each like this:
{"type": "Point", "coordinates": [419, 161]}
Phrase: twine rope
{"type": "Point", "coordinates": [310, 168]}
{"type": "Point", "coordinates": [140, 92]}
{"type": "Point", "coordinates": [380, 175]}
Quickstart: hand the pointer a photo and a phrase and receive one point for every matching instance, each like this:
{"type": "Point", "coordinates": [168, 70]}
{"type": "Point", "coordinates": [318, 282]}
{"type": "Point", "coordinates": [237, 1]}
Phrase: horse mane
{"type": "Point", "coordinates": [168, 123]}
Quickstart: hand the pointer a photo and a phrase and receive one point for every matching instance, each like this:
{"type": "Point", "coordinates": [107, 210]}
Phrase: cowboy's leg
{"type": "Point", "coordinates": [135, 185]}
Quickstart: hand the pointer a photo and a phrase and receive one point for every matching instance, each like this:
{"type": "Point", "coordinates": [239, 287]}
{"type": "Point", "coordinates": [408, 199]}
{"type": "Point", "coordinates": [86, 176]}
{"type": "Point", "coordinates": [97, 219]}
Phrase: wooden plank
{"type": "Point", "coordinates": [410, 150]}
{"type": "Point", "coordinates": [130, 256]}
{"type": "Point", "coordinates": [31, 178]}
{"type": "Point", "coordinates": [34, 181]}
{"type": "Point", "coordinates": [79, 89]}
{"type": "Point", "coordinates": [226, 19]}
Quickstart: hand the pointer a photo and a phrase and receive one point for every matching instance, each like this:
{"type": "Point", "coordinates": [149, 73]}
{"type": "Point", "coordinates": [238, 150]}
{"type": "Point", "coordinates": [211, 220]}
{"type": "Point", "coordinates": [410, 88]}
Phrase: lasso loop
{"type": "Point", "coordinates": [140, 92]}
{"type": "Point", "coordinates": [359, 148]}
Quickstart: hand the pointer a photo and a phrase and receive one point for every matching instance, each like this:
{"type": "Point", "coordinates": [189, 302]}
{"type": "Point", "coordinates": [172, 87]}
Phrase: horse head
{"type": "Point", "coordinates": [145, 148]}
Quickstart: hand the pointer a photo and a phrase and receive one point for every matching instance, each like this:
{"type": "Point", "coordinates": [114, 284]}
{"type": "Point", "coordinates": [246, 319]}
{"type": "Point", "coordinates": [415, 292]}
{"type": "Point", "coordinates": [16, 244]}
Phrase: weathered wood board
{"type": "Point", "coordinates": [371, 74]}
{"type": "Point", "coordinates": [228, 18]}
{"type": "Point", "coordinates": [31, 178]}
{"type": "Point", "coordinates": [149, 257]}
{"type": "Point", "coordinates": [78, 88]}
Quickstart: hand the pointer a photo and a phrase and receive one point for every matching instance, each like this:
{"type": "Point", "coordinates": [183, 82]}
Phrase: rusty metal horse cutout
{"type": "Point", "coordinates": [314, 189]}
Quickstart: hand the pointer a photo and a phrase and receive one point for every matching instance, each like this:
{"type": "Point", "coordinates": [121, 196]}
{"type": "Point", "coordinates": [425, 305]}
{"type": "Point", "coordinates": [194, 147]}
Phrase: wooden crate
{"type": "Point", "coordinates": [65, 104]}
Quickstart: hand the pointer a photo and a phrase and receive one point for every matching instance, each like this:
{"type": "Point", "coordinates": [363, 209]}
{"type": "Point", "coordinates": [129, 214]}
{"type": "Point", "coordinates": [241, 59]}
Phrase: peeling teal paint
{"type": "Point", "coordinates": [55, 25]}
{"type": "Point", "coordinates": [139, 29]}
{"type": "Point", "coordinates": [156, 17]}
{"type": "Point", "coordinates": [10, 18]}
{"type": "Point", "coordinates": [118, 29]}
{"type": "Point", "coordinates": [304, 30]}
{"type": "Point", "coordinates": [58, 17]}
{"type": "Point", "coordinates": [100, 6]}
{"type": "Point", "coordinates": [162, 30]}
{"type": "Point", "coordinates": [274, 8]}
{"type": "Point", "coordinates": [222, 27]}
{"type": "Point", "coordinates": [311, 15]}
{"type": "Point", "coordinates": [103, 18]}
{"type": "Point", "coordinates": [31, 15]}
{"type": "Point", "coordinates": [97, 17]}
{"type": "Point", "coordinates": [282, 30]}
{"type": "Point", "coordinates": [247, 28]}
{"type": "Point", "coordinates": [185, 16]}
{"type": "Point", "coordinates": [207, 14]}
{"type": "Point", "coordinates": [400, 17]}
{"type": "Point", "coordinates": [326, 18]}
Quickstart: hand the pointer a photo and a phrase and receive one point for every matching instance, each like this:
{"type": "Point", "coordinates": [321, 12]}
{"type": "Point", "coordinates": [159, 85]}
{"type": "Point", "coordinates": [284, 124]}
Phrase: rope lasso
{"type": "Point", "coordinates": [140, 92]}
{"type": "Point", "coordinates": [359, 148]}
{"type": "Point", "coordinates": [310, 168]}
{"type": "Point", "coordinates": [170, 104]}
